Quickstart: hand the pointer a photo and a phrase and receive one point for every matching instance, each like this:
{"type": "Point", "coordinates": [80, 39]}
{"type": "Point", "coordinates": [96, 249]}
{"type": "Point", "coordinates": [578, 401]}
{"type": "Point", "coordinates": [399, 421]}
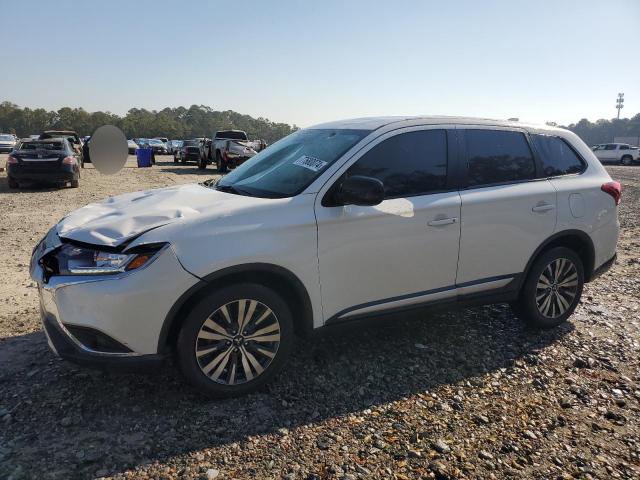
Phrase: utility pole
{"type": "Point", "coordinates": [620, 103]}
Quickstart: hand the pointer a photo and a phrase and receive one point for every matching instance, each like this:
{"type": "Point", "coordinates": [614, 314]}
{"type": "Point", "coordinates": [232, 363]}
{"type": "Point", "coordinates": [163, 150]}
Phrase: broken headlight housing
{"type": "Point", "coordinates": [80, 260]}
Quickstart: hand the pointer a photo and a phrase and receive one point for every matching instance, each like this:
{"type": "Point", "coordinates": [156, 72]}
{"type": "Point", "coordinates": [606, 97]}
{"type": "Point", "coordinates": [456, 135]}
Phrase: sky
{"type": "Point", "coordinates": [306, 62]}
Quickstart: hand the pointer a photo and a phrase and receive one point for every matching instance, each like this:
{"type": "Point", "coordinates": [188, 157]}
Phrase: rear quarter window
{"type": "Point", "coordinates": [556, 156]}
{"type": "Point", "coordinates": [498, 156]}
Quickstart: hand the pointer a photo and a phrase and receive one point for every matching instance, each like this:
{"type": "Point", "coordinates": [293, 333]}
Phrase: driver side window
{"type": "Point", "coordinates": [408, 164]}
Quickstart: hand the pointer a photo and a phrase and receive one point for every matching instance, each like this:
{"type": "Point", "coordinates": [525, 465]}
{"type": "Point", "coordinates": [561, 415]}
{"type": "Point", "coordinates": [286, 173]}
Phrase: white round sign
{"type": "Point", "coordinates": [108, 149]}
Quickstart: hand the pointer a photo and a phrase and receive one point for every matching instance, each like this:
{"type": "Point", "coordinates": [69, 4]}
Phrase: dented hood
{"type": "Point", "coordinates": [118, 219]}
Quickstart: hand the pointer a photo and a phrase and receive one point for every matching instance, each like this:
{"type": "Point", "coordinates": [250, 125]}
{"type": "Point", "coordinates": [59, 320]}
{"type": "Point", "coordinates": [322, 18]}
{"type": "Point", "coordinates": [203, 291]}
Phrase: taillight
{"type": "Point", "coordinates": [614, 189]}
{"type": "Point", "coordinates": [11, 160]}
{"type": "Point", "coordinates": [69, 160]}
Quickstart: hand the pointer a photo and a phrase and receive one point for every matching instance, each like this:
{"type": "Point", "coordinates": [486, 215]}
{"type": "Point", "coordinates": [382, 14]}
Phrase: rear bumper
{"type": "Point", "coordinates": [21, 173]}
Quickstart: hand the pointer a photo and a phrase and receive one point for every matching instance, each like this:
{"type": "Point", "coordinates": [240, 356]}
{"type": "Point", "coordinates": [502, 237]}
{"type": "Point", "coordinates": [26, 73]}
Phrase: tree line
{"type": "Point", "coordinates": [174, 123]}
{"type": "Point", "coordinates": [604, 131]}
{"type": "Point", "coordinates": [203, 121]}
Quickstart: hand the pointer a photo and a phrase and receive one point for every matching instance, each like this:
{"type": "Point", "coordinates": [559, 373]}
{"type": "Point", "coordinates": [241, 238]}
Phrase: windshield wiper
{"type": "Point", "coordinates": [232, 189]}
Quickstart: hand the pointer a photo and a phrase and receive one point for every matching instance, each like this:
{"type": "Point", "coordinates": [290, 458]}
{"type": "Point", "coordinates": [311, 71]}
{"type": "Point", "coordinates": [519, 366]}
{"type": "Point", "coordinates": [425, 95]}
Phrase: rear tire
{"type": "Point", "coordinates": [223, 355]}
{"type": "Point", "coordinates": [75, 183]}
{"type": "Point", "coordinates": [12, 183]}
{"type": "Point", "coordinates": [626, 160]}
{"type": "Point", "coordinates": [552, 289]}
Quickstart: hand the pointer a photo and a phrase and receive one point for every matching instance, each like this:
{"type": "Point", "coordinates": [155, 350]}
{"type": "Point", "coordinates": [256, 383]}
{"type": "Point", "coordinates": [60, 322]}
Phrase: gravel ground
{"type": "Point", "coordinates": [468, 394]}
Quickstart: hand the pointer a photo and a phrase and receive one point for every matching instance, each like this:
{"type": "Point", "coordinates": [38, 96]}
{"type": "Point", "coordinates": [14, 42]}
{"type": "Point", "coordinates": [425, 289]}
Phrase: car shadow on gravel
{"type": "Point", "coordinates": [114, 421]}
{"type": "Point", "coordinates": [28, 187]}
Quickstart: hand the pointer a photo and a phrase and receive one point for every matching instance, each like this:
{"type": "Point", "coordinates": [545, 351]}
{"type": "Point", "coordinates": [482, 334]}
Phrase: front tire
{"type": "Point", "coordinates": [235, 340]}
{"type": "Point", "coordinates": [12, 183]}
{"type": "Point", "coordinates": [552, 289]}
{"type": "Point", "coordinates": [220, 165]}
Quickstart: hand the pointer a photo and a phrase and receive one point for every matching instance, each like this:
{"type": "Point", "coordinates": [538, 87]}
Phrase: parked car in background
{"type": "Point", "coordinates": [164, 140]}
{"type": "Point", "coordinates": [173, 146]}
{"type": "Point", "coordinates": [617, 153]}
{"type": "Point", "coordinates": [229, 149]}
{"type": "Point", "coordinates": [158, 146]}
{"type": "Point", "coordinates": [7, 142]}
{"type": "Point", "coordinates": [132, 147]}
{"type": "Point", "coordinates": [337, 222]}
{"type": "Point", "coordinates": [51, 160]}
{"type": "Point", "coordinates": [191, 151]}
{"type": "Point", "coordinates": [34, 137]}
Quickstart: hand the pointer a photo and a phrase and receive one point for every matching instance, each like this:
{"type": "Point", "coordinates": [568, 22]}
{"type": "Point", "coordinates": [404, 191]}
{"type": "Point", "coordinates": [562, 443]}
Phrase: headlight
{"type": "Point", "coordinates": [74, 260]}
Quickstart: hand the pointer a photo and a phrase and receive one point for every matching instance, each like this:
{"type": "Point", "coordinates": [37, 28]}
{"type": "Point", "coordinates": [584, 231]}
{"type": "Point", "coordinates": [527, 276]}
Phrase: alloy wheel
{"type": "Point", "coordinates": [238, 342]}
{"type": "Point", "coordinates": [557, 288]}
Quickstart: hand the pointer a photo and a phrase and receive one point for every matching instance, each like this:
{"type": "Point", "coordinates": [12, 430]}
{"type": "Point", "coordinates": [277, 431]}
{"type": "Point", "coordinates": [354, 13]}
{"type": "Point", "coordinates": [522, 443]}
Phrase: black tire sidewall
{"type": "Point", "coordinates": [200, 312]}
{"type": "Point", "coordinates": [527, 306]}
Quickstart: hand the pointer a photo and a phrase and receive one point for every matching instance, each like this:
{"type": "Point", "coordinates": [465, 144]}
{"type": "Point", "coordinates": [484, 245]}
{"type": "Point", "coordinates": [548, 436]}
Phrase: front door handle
{"type": "Point", "coordinates": [543, 207]}
{"type": "Point", "coordinates": [443, 221]}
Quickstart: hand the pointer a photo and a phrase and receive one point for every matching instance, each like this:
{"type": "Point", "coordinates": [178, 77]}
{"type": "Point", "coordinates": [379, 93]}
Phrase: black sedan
{"type": "Point", "coordinates": [43, 161]}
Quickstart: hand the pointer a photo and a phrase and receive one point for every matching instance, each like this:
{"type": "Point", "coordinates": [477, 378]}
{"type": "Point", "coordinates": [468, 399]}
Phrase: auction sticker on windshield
{"type": "Point", "coordinates": [311, 163]}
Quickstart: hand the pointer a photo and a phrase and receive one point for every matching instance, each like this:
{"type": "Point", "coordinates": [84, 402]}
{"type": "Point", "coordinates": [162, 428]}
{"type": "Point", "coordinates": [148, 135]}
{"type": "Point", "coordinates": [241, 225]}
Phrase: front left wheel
{"type": "Point", "coordinates": [235, 340]}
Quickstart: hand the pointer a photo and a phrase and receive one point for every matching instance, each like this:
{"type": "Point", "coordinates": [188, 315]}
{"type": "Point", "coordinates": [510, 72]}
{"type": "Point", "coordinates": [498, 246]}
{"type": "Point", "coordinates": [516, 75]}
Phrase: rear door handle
{"type": "Point", "coordinates": [545, 207]}
{"type": "Point", "coordinates": [443, 221]}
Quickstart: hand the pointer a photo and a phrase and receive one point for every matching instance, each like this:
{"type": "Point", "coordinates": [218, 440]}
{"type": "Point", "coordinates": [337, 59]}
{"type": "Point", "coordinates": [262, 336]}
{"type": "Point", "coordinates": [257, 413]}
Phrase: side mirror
{"type": "Point", "coordinates": [360, 190]}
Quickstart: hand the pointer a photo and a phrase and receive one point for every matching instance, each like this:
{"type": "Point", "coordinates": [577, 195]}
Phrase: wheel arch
{"type": "Point", "coordinates": [576, 240]}
{"type": "Point", "coordinates": [281, 280]}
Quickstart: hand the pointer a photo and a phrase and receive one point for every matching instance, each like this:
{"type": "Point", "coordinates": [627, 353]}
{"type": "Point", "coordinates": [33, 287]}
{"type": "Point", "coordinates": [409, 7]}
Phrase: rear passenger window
{"type": "Point", "coordinates": [624, 147]}
{"type": "Point", "coordinates": [497, 156]}
{"type": "Point", "coordinates": [413, 163]}
{"type": "Point", "coordinates": [556, 156]}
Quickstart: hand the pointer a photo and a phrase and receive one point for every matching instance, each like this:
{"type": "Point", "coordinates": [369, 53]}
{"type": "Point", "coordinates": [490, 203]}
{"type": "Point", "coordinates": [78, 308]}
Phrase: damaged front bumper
{"type": "Point", "coordinates": [108, 320]}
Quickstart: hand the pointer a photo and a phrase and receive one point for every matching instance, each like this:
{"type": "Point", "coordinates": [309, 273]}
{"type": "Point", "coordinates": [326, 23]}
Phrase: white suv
{"type": "Point", "coordinates": [617, 153]}
{"type": "Point", "coordinates": [331, 224]}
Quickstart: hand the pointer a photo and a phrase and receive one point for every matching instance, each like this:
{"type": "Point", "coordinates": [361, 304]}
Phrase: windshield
{"type": "Point", "coordinates": [232, 135]}
{"type": "Point", "coordinates": [191, 143]}
{"type": "Point", "coordinates": [289, 166]}
{"type": "Point", "coordinates": [155, 142]}
{"type": "Point", "coordinates": [6, 138]}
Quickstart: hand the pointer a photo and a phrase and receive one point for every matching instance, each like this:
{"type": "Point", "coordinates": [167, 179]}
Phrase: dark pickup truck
{"type": "Point", "coordinates": [191, 151]}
